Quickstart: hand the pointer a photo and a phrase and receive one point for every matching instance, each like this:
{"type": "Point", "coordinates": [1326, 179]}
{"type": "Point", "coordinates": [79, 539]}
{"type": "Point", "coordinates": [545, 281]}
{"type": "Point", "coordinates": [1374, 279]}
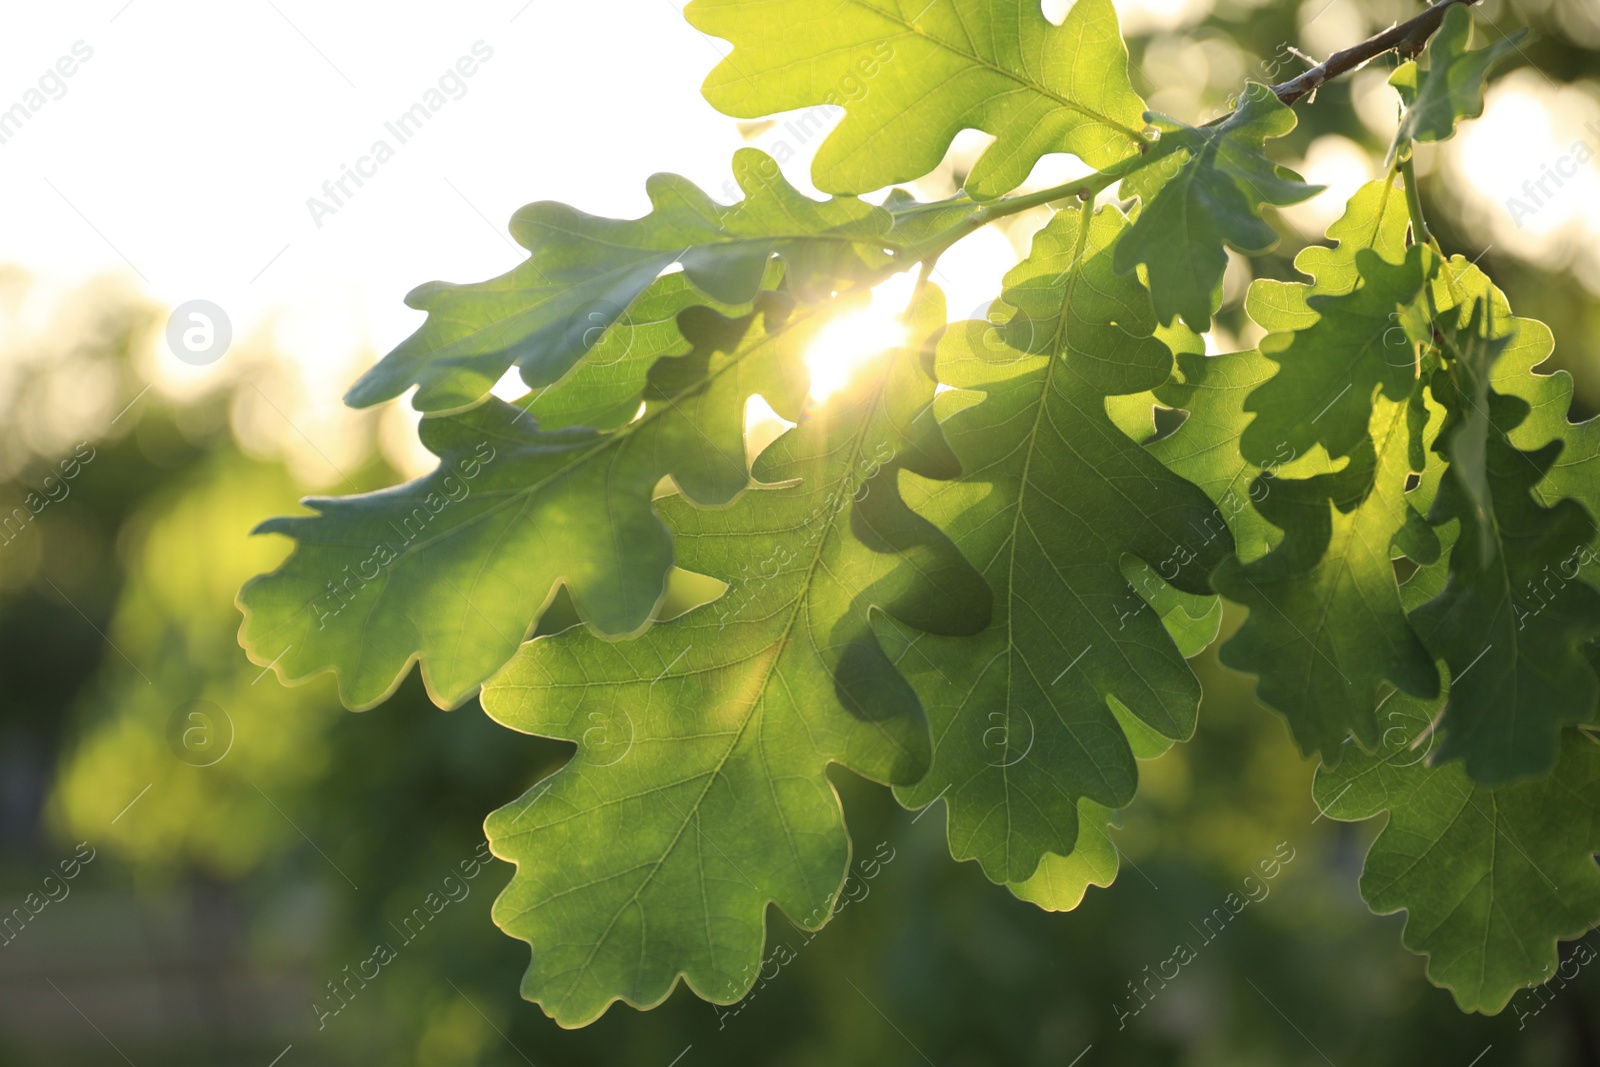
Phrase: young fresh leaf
{"type": "Point", "coordinates": [1375, 218]}
{"type": "Point", "coordinates": [1207, 192]}
{"type": "Point", "coordinates": [583, 275]}
{"type": "Point", "coordinates": [911, 76]}
{"type": "Point", "coordinates": [1516, 593]}
{"type": "Point", "coordinates": [1052, 499]}
{"type": "Point", "coordinates": [699, 791]}
{"type": "Point", "coordinates": [1490, 879]}
{"type": "Point", "coordinates": [1575, 472]}
{"type": "Point", "coordinates": [1499, 353]}
{"type": "Point", "coordinates": [1213, 391]}
{"type": "Point", "coordinates": [1372, 233]}
{"type": "Point", "coordinates": [453, 569]}
{"type": "Point", "coordinates": [1450, 89]}
{"type": "Point", "coordinates": [1363, 342]}
{"type": "Point", "coordinates": [603, 389]}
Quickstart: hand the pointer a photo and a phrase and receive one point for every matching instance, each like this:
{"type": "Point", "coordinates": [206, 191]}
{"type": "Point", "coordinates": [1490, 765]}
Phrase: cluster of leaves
{"type": "Point", "coordinates": [924, 584]}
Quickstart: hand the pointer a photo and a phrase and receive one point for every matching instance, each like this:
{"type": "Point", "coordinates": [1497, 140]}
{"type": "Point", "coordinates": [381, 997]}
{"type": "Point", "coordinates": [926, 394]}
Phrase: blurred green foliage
{"type": "Point", "coordinates": [234, 889]}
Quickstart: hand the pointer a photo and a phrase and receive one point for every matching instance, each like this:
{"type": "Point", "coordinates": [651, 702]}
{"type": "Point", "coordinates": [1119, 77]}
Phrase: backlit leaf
{"type": "Point", "coordinates": [1052, 499]}
{"type": "Point", "coordinates": [1512, 625]}
{"type": "Point", "coordinates": [1450, 88]}
{"type": "Point", "coordinates": [1364, 342]}
{"type": "Point", "coordinates": [911, 74]}
{"type": "Point", "coordinates": [577, 289]}
{"type": "Point", "coordinates": [1490, 879]}
{"type": "Point", "coordinates": [1326, 627]}
{"type": "Point", "coordinates": [1203, 196]}
{"type": "Point", "coordinates": [699, 791]}
{"type": "Point", "coordinates": [454, 568]}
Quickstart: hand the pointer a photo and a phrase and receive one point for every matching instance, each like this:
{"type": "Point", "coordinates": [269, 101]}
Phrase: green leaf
{"type": "Point", "coordinates": [454, 568]}
{"type": "Point", "coordinates": [1502, 355]}
{"type": "Point", "coordinates": [1205, 449]}
{"type": "Point", "coordinates": [699, 791]}
{"type": "Point", "coordinates": [1214, 390]}
{"type": "Point", "coordinates": [604, 389]}
{"type": "Point", "coordinates": [910, 76]}
{"type": "Point", "coordinates": [1375, 218]}
{"type": "Point", "coordinates": [1326, 628]}
{"type": "Point", "coordinates": [1491, 879]}
{"type": "Point", "coordinates": [1363, 342]}
{"type": "Point", "coordinates": [1451, 87]}
{"type": "Point", "coordinates": [1516, 592]}
{"type": "Point", "coordinates": [1575, 471]}
{"type": "Point", "coordinates": [1519, 619]}
{"type": "Point", "coordinates": [924, 229]}
{"type": "Point", "coordinates": [1060, 882]}
{"type": "Point", "coordinates": [1053, 498]}
{"type": "Point", "coordinates": [1474, 349]}
{"type": "Point", "coordinates": [578, 287]}
{"type": "Point", "coordinates": [1191, 620]}
{"type": "Point", "coordinates": [1207, 192]}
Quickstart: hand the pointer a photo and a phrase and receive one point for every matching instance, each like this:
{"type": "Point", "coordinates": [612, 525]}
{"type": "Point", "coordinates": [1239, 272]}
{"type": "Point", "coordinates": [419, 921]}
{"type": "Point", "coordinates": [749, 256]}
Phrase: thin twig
{"type": "Point", "coordinates": [1408, 37]}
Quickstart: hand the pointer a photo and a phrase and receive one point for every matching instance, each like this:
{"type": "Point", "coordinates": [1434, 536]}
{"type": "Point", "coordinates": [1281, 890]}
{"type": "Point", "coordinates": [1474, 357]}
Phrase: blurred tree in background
{"type": "Point", "coordinates": [252, 844]}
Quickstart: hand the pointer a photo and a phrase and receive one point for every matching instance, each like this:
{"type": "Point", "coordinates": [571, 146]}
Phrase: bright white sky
{"type": "Point", "coordinates": [185, 149]}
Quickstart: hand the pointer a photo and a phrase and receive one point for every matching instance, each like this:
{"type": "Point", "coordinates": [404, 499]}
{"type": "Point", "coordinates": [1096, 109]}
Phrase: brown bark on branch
{"type": "Point", "coordinates": [1407, 37]}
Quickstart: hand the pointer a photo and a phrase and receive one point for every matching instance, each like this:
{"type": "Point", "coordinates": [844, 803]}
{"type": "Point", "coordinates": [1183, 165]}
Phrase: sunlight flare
{"type": "Point", "coordinates": [857, 338]}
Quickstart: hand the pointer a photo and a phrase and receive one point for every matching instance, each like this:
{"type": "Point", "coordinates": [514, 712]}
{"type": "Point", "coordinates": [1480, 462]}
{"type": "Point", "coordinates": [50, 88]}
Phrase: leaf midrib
{"type": "Point", "coordinates": [774, 652]}
{"type": "Point", "coordinates": [1054, 355]}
